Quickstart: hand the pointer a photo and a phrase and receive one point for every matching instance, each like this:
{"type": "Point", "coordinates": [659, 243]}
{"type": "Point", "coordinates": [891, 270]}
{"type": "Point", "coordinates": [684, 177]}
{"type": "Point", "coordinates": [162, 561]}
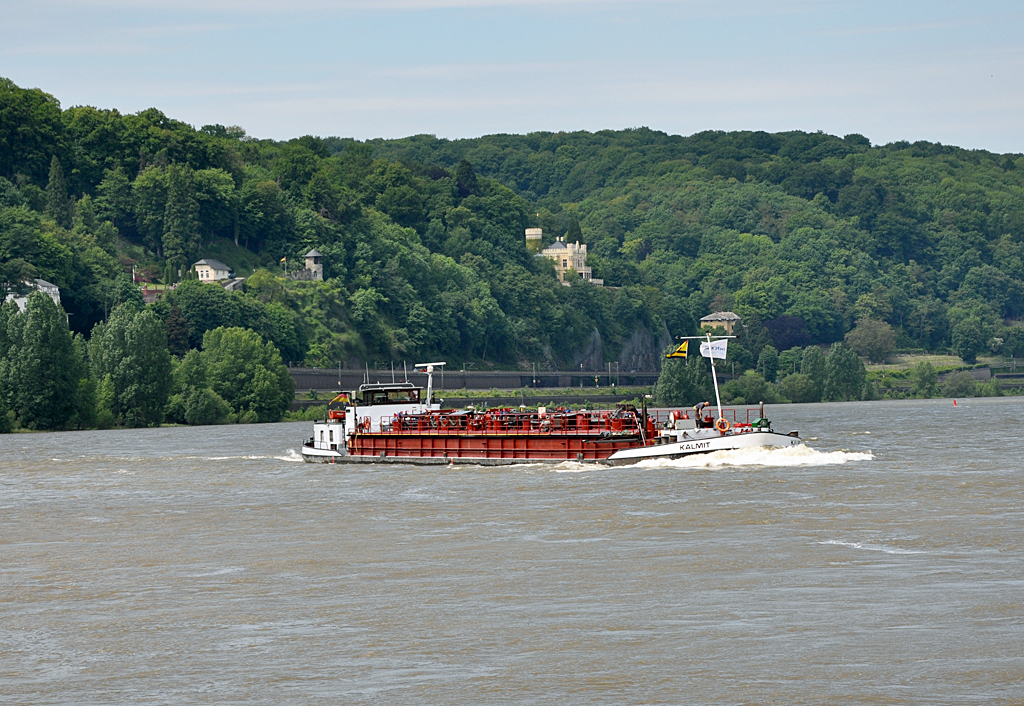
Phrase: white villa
{"type": "Point", "coordinates": [52, 290]}
{"type": "Point", "coordinates": [566, 256]}
{"type": "Point", "coordinates": [209, 270]}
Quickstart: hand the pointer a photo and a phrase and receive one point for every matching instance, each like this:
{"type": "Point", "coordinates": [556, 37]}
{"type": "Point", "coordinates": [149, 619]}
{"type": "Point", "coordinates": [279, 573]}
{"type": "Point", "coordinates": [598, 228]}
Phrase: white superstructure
{"type": "Point", "coordinates": [369, 409]}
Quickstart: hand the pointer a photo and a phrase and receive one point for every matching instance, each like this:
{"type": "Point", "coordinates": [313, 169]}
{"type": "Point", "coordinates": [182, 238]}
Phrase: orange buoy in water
{"type": "Point", "coordinates": [954, 403]}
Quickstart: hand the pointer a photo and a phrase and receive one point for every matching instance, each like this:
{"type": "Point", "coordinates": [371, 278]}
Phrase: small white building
{"type": "Point", "coordinates": [209, 270]}
{"type": "Point", "coordinates": [41, 285]}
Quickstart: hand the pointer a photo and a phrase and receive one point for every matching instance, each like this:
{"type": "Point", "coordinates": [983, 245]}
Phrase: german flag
{"type": "Point", "coordinates": [679, 352]}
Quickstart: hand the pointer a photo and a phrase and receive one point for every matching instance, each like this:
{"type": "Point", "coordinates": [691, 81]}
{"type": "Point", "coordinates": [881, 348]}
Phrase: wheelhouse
{"type": "Point", "coordinates": [380, 394]}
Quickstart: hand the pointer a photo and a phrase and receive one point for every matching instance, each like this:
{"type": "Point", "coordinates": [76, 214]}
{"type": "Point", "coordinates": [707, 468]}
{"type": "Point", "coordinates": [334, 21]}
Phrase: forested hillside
{"type": "Point", "coordinates": [808, 231]}
{"type": "Point", "coordinates": [811, 237]}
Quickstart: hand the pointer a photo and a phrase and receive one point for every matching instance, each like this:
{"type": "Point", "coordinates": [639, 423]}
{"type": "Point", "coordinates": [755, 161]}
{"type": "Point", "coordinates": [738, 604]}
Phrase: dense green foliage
{"type": "Point", "coordinates": [236, 377]}
{"type": "Point", "coordinates": [247, 373]}
{"type": "Point", "coordinates": [813, 239]}
{"type": "Point", "coordinates": [925, 237]}
{"type": "Point", "coordinates": [129, 354]}
{"type": "Point", "coordinates": [40, 367]}
{"type": "Point", "coordinates": [683, 382]}
{"type": "Point", "coordinates": [126, 375]}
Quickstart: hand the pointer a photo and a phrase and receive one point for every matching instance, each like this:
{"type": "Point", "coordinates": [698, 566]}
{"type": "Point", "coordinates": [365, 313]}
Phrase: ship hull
{"type": "Point", "coordinates": [703, 444]}
{"type": "Point", "coordinates": [342, 457]}
{"type": "Point", "coordinates": [504, 451]}
{"type": "Point", "coordinates": [444, 448]}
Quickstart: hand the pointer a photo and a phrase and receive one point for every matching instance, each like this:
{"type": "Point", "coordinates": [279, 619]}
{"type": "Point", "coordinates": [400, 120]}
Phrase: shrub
{"type": "Point", "coordinates": [798, 387]}
{"type": "Point", "coordinates": [960, 385]}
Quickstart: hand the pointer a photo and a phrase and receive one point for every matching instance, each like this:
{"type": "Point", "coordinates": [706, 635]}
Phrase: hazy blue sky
{"type": "Point", "coordinates": [951, 72]}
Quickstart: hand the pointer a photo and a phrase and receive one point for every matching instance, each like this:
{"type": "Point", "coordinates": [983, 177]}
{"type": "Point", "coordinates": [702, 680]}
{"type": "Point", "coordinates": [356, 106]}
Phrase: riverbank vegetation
{"type": "Point", "coordinates": [125, 375]}
{"type": "Point", "coordinates": [814, 239]}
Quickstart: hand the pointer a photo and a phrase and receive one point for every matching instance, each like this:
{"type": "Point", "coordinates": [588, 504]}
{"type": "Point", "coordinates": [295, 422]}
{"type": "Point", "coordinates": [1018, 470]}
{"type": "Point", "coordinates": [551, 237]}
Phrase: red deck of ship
{"type": "Point", "coordinates": [505, 433]}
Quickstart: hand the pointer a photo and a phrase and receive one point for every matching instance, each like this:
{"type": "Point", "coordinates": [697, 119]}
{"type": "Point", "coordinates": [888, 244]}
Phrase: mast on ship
{"type": "Point", "coordinates": [706, 340]}
{"type": "Point", "coordinates": [429, 369]}
{"type": "Point", "coordinates": [714, 375]}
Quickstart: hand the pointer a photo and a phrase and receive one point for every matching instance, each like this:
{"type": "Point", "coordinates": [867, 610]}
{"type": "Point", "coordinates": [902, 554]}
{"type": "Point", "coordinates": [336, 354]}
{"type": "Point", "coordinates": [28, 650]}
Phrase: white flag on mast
{"type": "Point", "coordinates": [715, 349]}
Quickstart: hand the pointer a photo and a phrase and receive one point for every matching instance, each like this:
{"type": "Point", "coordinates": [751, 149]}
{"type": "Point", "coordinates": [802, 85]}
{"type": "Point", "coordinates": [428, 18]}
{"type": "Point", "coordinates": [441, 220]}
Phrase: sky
{"type": "Point", "coordinates": [941, 71]}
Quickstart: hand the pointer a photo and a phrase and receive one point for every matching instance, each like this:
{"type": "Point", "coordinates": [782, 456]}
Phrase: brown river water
{"type": "Point", "coordinates": [883, 565]}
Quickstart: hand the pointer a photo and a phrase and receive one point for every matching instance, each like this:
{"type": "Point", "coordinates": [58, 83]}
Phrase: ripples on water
{"type": "Point", "coordinates": [882, 565]}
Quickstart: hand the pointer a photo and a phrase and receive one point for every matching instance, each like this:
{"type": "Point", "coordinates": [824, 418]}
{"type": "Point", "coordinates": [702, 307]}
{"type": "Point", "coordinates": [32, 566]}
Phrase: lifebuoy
{"type": "Point", "coordinates": [364, 425]}
{"type": "Point", "coordinates": [722, 424]}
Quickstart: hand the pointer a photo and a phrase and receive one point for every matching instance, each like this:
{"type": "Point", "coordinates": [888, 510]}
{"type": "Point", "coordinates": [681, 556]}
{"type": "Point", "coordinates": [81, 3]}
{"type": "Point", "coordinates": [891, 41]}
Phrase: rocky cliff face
{"type": "Point", "coordinates": [641, 352]}
{"type": "Point", "coordinates": [592, 355]}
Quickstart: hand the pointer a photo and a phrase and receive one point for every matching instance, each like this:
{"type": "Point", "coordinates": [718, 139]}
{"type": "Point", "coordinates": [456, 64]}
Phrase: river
{"type": "Point", "coordinates": [884, 564]}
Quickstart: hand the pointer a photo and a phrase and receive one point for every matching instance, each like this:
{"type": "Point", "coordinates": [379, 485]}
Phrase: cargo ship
{"type": "Point", "coordinates": [400, 423]}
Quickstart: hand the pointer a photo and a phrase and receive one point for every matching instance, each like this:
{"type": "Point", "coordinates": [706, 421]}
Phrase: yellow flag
{"type": "Point", "coordinates": [283, 259]}
{"type": "Point", "coordinates": [679, 352]}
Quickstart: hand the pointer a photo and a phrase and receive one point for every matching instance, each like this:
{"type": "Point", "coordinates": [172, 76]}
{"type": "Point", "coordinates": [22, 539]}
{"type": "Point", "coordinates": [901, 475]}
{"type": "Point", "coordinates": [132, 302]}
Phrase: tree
{"type": "Point", "coordinates": [85, 398]}
{"type": "Point", "coordinates": [30, 130]}
{"type": "Point", "coordinates": [177, 331]}
{"type": "Point", "coordinates": [683, 382]}
{"type": "Point", "coordinates": [247, 373]}
{"type": "Point", "coordinates": [127, 292]}
{"type": "Point", "coordinates": [465, 179]}
{"type": "Point", "coordinates": [14, 273]}
{"type": "Point", "coordinates": [813, 366]}
{"type": "Point", "coordinates": [5, 419]}
{"type": "Point", "coordinates": [404, 205]}
{"type": "Point", "coordinates": [131, 348]}
{"type": "Point", "coordinates": [265, 287]}
{"type": "Point", "coordinates": [788, 332]}
{"type": "Point", "coordinates": [960, 384]}
{"type": "Point", "coordinates": [264, 220]}
{"type": "Point", "coordinates": [749, 388]}
{"type": "Point", "coordinates": [218, 202]}
{"type": "Point", "coordinates": [287, 331]}
{"type": "Point", "coordinates": [926, 380]}
{"type": "Point", "coordinates": [204, 406]}
{"type": "Point", "coordinates": [40, 372]}
{"type": "Point", "coordinates": [115, 200]}
{"type": "Point", "coordinates": [873, 339]}
{"type": "Point", "coordinates": [798, 387]}
{"type": "Point", "coordinates": [149, 202]}
{"type": "Point", "coordinates": [768, 363]}
{"type": "Point", "coordinates": [58, 203]}
{"type": "Point", "coordinates": [181, 216]}
{"type": "Point", "coordinates": [844, 375]}
{"type": "Point", "coordinates": [968, 338]}
{"type": "Point", "coordinates": [193, 401]}
{"type": "Point", "coordinates": [205, 307]}
{"type": "Point", "coordinates": [573, 234]}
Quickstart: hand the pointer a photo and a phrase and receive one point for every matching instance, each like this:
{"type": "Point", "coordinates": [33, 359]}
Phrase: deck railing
{"type": "Point", "coordinates": [495, 422]}
{"type": "Point", "coordinates": [663, 417]}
